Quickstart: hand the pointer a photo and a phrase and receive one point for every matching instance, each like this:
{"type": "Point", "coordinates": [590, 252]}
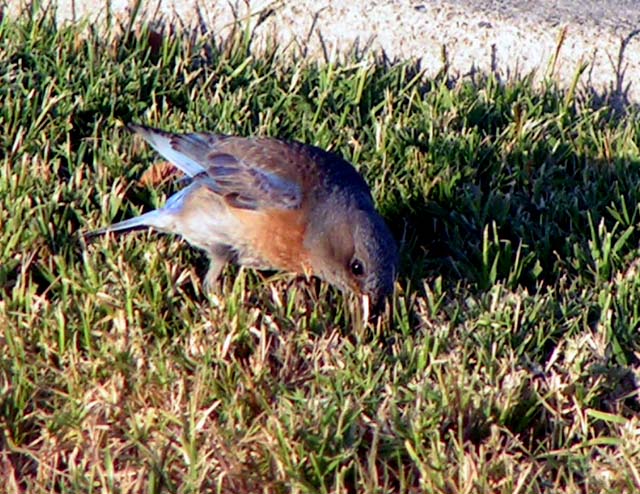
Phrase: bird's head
{"type": "Point", "coordinates": [354, 250]}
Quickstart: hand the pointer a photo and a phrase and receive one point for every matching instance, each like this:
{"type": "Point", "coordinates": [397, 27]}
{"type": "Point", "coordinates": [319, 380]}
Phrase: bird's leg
{"type": "Point", "coordinates": [211, 282]}
{"type": "Point", "coordinates": [218, 258]}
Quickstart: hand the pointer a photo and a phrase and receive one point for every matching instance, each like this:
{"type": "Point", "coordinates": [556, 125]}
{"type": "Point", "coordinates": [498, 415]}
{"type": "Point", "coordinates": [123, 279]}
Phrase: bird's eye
{"type": "Point", "coordinates": [357, 268]}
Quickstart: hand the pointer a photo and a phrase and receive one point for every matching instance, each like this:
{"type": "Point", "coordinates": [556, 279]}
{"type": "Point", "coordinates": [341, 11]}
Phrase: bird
{"type": "Point", "coordinates": [271, 204]}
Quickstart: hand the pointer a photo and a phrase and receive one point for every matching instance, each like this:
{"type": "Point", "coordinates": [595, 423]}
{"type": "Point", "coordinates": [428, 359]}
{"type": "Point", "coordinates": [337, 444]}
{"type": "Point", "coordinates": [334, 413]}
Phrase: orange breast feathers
{"type": "Point", "coordinates": [276, 237]}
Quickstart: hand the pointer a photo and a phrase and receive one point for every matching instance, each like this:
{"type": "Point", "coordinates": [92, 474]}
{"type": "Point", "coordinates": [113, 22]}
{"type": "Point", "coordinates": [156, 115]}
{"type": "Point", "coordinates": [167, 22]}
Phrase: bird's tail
{"type": "Point", "coordinates": [157, 219]}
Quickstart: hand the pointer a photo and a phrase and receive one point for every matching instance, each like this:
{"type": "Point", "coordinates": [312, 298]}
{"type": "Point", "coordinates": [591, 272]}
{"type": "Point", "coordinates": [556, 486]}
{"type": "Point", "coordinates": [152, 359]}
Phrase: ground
{"type": "Point", "coordinates": [510, 360]}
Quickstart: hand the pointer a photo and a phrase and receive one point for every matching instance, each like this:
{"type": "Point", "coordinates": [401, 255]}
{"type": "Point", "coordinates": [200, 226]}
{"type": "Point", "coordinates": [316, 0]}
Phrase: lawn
{"type": "Point", "coordinates": [509, 363]}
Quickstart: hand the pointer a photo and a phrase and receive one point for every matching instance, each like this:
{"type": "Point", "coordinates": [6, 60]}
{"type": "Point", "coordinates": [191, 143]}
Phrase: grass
{"type": "Point", "coordinates": [509, 364]}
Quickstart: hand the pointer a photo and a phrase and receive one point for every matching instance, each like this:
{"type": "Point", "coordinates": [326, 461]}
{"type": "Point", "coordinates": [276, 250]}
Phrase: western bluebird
{"type": "Point", "coordinates": [269, 204]}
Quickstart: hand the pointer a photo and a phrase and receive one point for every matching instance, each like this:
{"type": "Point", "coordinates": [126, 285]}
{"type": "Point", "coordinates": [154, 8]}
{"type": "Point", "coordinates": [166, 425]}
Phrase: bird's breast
{"type": "Point", "coordinates": [273, 239]}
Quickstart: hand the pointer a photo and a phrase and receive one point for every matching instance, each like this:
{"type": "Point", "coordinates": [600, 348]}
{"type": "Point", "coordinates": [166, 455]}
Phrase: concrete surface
{"type": "Point", "coordinates": [509, 37]}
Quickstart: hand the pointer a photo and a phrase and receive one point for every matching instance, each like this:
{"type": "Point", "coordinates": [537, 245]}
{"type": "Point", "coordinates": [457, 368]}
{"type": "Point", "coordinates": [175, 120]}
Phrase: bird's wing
{"type": "Point", "coordinates": [169, 145]}
{"type": "Point", "coordinates": [247, 173]}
